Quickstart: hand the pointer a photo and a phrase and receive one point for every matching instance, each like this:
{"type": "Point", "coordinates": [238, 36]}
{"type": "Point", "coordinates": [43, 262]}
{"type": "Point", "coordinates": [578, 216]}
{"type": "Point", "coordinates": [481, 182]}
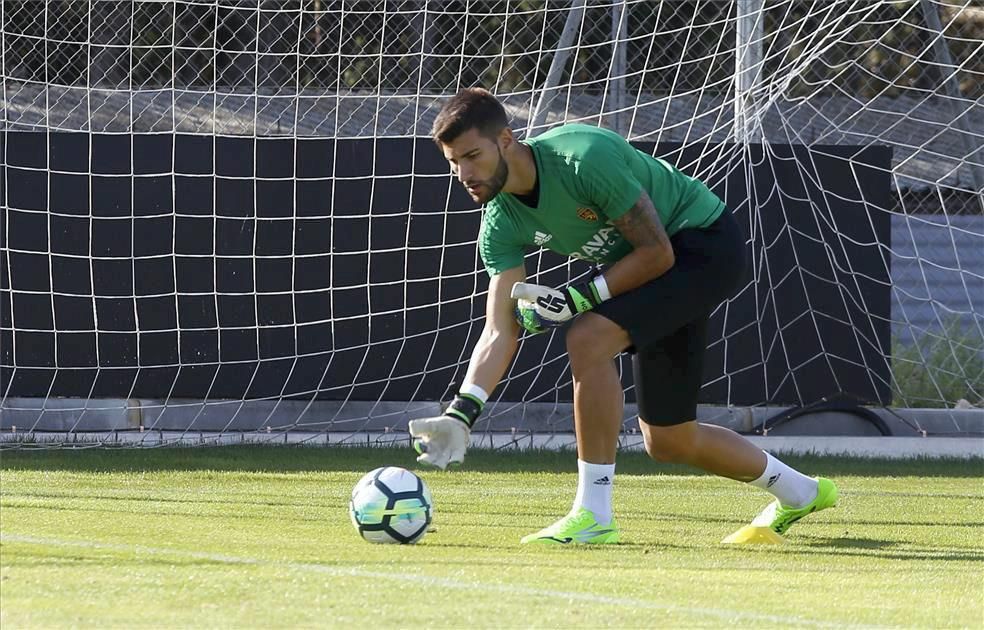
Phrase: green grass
{"type": "Point", "coordinates": [259, 537]}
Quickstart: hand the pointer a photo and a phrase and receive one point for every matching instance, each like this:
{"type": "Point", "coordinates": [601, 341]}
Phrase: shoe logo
{"type": "Point", "coordinates": [586, 535]}
{"type": "Point", "coordinates": [604, 481]}
{"type": "Point", "coordinates": [583, 536]}
{"type": "Point", "coordinates": [774, 478]}
{"type": "Point", "coordinates": [541, 238]}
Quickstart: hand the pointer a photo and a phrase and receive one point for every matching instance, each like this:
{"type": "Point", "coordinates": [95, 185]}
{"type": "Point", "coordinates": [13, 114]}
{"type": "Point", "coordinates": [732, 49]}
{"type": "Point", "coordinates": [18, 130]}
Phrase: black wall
{"type": "Point", "coordinates": [233, 267]}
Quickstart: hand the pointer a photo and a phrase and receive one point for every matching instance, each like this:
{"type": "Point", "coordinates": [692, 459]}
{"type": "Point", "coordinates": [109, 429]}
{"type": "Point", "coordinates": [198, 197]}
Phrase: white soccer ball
{"type": "Point", "coordinates": [391, 505]}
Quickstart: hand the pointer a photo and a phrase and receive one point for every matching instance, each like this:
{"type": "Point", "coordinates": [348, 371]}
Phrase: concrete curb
{"type": "Point", "coordinates": [72, 415]}
{"type": "Point", "coordinates": [850, 446]}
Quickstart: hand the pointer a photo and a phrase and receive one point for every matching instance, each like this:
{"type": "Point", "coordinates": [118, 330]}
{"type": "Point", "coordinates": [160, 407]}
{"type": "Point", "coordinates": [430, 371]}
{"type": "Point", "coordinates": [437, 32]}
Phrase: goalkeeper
{"type": "Point", "coordinates": [673, 254]}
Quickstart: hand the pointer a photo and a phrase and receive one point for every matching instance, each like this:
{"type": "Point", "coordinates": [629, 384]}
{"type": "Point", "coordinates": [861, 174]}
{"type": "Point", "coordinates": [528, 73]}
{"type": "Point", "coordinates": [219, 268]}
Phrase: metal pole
{"type": "Point", "coordinates": [748, 63]}
{"type": "Point", "coordinates": [426, 31]}
{"type": "Point", "coordinates": [548, 92]}
{"type": "Point", "coordinates": [948, 72]}
{"type": "Point", "coordinates": [616, 82]}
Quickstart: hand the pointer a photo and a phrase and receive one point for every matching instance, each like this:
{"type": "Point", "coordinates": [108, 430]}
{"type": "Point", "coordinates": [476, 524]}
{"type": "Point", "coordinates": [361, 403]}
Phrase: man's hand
{"type": "Point", "coordinates": [553, 307]}
{"type": "Point", "coordinates": [440, 441]}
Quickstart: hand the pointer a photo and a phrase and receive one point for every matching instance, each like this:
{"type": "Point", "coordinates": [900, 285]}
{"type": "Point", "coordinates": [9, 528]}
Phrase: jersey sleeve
{"type": "Point", "coordinates": [498, 244]}
{"type": "Point", "coordinates": [606, 178]}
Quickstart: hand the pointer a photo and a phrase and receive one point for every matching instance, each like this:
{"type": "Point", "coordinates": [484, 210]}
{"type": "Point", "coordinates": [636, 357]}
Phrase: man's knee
{"type": "Point", "coordinates": [593, 338]}
{"type": "Point", "coordinates": [675, 444]}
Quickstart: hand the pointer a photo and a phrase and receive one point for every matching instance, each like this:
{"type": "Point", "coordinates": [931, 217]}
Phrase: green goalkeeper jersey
{"type": "Point", "coordinates": [587, 177]}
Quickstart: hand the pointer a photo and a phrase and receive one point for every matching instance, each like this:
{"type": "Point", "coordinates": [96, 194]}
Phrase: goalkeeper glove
{"type": "Point", "coordinates": [541, 307]}
{"type": "Point", "coordinates": [444, 439]}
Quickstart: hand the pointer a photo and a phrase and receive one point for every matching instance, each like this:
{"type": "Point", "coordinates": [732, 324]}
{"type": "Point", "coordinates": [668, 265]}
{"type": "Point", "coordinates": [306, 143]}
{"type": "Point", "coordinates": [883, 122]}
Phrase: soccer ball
{"type": "Point", "coordinates": [391, 505]}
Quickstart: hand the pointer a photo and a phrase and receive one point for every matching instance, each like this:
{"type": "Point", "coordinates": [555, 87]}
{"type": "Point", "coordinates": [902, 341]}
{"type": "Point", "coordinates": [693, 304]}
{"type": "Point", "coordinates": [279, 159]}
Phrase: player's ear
{"type": "Point", "coordinates": [505, 139]}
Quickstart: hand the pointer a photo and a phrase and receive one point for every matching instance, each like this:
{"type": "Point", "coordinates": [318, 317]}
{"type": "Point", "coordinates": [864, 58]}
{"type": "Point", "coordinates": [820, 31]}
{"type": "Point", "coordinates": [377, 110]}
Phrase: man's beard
{"type": "Point", "coordinates": [498, 180]}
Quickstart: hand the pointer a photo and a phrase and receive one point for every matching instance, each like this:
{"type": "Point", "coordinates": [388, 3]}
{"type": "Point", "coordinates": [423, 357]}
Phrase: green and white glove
{"type": "Point", "coordinates": [443, 440]}
{"type": "Point", "coordinates": [539, 307]}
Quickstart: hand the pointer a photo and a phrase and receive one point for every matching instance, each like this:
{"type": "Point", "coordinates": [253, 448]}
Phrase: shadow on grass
{"type": "Point", "coordinates": [851, 543]}
{"type": "Point", "coordinates": [281, 459]}
{"type": "Point", "coordinates": [875, 548]}
{"type": "Point", "coordinates": [844, 547]}
{"type": "Point", "coordinates": [670, 517]}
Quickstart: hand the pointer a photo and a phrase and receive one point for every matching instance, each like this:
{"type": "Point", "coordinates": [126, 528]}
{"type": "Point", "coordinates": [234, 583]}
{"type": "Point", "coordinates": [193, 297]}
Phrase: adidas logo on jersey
{"type": "Point", "coordinates": [540, 238]}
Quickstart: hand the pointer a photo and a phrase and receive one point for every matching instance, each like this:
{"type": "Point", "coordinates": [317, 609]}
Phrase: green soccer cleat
{"type": "Point", "coordinates": [779, 518]}
{"type": "Point", "coordinates": [577, 527]}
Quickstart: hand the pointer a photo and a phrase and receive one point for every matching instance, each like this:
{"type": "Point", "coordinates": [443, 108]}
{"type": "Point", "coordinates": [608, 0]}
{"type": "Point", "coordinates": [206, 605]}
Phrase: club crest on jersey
{"type": "Point", "coordinates": [587, 214]}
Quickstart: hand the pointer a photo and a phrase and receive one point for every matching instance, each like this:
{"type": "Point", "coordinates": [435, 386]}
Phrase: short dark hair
{"type": "Point", "coordinates": [471, 108]}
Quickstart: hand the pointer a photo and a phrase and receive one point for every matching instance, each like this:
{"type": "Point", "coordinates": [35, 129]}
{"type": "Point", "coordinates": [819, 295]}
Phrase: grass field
{"type": "Point", "coordinates": [260, 537]}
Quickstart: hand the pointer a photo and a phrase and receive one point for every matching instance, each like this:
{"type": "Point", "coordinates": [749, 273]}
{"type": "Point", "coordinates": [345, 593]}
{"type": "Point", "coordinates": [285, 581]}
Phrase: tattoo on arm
{"type": "Point", "coordinates": [641, 225]}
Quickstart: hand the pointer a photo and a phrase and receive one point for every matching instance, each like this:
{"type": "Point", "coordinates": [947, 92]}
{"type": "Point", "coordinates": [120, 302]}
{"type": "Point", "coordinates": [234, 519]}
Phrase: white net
{"type": "Point", "coordinates": [223, 219]}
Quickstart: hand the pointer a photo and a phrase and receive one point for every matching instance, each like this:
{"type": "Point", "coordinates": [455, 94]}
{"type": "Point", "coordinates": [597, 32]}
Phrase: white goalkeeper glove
{"type": "Point", "coordinates": [443, 440]}
{"type": "Point", "coordinates": [440, 441]}
{"type": "Point", "coordinates": [541, 307]}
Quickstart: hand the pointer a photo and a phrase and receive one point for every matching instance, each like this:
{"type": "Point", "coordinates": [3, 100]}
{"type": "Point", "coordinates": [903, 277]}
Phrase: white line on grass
{"type": "Point", "coordinates": [720, 613]}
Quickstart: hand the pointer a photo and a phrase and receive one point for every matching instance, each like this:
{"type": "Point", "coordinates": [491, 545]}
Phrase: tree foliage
{"type": "Point", "coordinates": [336, 46]}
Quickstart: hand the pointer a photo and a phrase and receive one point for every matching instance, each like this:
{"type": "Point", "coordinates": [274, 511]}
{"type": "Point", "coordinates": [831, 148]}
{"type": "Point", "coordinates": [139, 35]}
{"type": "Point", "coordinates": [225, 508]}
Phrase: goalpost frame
{"type": "Point", "coordinates": [748, 68]}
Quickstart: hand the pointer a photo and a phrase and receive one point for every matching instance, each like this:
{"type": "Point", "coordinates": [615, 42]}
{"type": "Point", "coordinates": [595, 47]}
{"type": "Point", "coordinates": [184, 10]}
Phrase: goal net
{"type": "Point", "coordinates": [223, 220]}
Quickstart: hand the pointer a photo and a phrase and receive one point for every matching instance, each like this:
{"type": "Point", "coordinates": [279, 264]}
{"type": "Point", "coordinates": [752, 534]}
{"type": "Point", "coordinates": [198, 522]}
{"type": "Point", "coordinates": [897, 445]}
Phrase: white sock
{"type": "Point", "coordinates": [792, 488]}
{"type": "Point", "coordinates": [594, 489]}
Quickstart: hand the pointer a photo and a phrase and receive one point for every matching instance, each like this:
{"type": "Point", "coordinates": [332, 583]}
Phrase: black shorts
{"type": "Point", "coordinates": [667, 318]}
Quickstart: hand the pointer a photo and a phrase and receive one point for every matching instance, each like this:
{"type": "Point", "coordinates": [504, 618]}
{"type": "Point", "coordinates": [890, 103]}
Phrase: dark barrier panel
{"type": "Point", "coordinates": [232, 267]}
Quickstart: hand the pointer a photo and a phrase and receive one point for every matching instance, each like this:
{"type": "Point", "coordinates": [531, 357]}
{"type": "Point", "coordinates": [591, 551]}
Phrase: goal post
{"type": "Point", "coordinates": [224, 219]}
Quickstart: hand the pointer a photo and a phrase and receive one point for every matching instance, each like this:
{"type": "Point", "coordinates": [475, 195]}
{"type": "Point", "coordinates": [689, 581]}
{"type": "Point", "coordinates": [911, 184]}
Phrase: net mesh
{"type": "Point", "coordinates": [151, 284]}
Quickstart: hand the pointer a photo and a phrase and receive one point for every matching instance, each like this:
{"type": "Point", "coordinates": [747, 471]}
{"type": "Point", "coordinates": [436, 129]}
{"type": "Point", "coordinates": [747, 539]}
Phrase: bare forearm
{"type": "Point", "coordinates": [637, 268]}
{"type": "Point", "coordinates": [652, 253]}
{"type": "Point", "coordinates": [491, 357]}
